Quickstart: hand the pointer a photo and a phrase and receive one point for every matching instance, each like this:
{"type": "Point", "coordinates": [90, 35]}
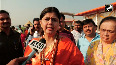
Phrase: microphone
{"type": "Point", "coordinates": [36, 47]}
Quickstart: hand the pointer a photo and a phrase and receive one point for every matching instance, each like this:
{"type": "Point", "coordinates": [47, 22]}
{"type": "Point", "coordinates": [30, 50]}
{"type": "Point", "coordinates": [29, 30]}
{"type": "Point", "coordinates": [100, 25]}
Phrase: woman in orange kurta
{"type": "Point", "coordinates": [67, 54]}
{"type": "Point", "coordinates": [59, 50]}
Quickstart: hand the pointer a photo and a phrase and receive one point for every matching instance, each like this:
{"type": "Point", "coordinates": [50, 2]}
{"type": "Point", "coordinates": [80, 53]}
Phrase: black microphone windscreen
{"type": "Point", "coordinates": [42, 40]}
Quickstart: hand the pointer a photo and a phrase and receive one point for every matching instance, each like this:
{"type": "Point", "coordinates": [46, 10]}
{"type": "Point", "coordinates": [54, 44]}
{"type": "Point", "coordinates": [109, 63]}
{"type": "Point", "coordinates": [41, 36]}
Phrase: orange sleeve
{"type": "Point", "coordinates": [68, 53]}
{"type": "Point", "coordinates": [76, 57]}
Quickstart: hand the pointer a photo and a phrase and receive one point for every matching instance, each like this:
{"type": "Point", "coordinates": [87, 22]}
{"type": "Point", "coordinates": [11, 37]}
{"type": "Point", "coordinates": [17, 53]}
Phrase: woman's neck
{"type": "Point", "coordinates": [106, 43]}
{"type": "Point", "coordinates": [49, 39]}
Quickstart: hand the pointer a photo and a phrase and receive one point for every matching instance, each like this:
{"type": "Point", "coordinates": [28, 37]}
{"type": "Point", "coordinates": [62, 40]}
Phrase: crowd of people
{"type": "Point", "coordinates": [81, 45]}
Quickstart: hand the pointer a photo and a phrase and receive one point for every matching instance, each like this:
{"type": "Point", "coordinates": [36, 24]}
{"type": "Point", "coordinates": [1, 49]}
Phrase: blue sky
{"type": "Point", "coordinates": [22, 11]}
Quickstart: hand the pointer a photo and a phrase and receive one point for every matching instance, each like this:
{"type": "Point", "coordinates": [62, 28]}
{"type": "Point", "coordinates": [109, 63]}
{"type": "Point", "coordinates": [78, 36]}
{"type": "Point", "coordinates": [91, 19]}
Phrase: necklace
{"type": "Point", "coordinates": [50, 56]}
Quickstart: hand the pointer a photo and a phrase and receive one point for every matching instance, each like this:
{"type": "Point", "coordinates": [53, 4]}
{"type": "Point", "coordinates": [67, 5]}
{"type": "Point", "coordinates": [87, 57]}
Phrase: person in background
{"type": "Point", "coordinates": [36, 27]}
{"type": "Point", "coordinates": [59, 50]}
{"type": "Point", "coordinates": [63, 31]}
{"type": "Point", "coordinates": [10, 41]}
{"type": "Point", "coordinates": [12, 27]}
{"type": "Point", "coordinates": [103, 51]}
{"type": "Point", "coordinates": [20, 30]}
{"type": "Point", "coordinates": [78, 27]}
{"type": "Point", "coordinates": [89, 36]}
{"type": "Point", "coordinates": [26, 30]}
{"type": "Point", "coordinates": [23, 36]}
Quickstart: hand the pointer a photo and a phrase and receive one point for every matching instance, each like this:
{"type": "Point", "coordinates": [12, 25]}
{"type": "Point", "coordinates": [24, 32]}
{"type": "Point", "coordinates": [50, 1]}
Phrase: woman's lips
{"type": "Point", "coordinates": [49, 28]}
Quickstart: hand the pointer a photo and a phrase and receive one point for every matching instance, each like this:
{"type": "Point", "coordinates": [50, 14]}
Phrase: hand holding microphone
{"type": "Point", "coordinates": [17, 61]}
{"type": "Point", "coordinates": [36, 47]}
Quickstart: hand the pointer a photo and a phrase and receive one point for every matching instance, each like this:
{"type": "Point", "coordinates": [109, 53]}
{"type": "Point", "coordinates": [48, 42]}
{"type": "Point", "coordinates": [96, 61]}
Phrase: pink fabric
{"type": "Point", "coordinates": [23, 36]}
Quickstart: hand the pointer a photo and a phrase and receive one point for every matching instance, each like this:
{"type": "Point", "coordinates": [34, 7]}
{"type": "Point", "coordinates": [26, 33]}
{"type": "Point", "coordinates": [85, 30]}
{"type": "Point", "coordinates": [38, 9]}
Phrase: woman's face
{"type": "Point", "coordinates": [108, 31]}
{"type": "Point", "coordinates": [50, 23]}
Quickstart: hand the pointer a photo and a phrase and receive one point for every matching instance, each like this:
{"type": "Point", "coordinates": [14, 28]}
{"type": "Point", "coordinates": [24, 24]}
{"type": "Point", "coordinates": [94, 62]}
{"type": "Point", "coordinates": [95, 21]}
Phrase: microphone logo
{"type": "Point", "coordinates": [34, 44]}
{"type": "Point", "coordinates": [37, 44]}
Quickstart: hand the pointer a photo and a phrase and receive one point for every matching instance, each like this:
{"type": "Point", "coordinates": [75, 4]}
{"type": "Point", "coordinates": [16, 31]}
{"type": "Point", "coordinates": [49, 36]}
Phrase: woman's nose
{"type": "Point", "coordinates": [50, 21]}
{"type": "Point", "coordinates": [106, 33]}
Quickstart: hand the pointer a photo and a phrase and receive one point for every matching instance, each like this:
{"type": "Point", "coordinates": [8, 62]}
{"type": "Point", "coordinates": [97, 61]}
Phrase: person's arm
{"type": "Point", "coordinates": [17, 61]}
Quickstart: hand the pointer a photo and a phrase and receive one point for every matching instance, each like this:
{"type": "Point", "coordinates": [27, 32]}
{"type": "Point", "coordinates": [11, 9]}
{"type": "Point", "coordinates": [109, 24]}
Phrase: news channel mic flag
{"type": "Point", "coordinates": [37, 47]}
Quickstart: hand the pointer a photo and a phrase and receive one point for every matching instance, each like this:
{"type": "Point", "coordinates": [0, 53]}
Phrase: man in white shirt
{"type": "Point", "coordinates": [77, 30]}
